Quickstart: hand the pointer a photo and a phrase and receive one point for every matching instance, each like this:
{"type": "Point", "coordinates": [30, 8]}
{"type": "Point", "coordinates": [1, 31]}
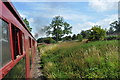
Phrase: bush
{"type": "Point", "coordinates": [67, 38]}
{"type": "Point", "coordinates": [47, 40]}
{"type": "Point", "coordinates": [97, 33]}
{"type": "Point", "coordinates": [112, 37]}
{"type": "Point", "coordinates": [74, 37]}
{"type": "Point", "coordinates": [80, 37]}
{"type": "Point", "coordinates": [85, 34]}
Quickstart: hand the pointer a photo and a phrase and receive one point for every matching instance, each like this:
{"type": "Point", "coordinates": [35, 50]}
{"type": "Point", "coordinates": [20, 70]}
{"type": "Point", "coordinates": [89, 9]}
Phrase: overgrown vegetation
{"type": "Point", "coordinates": [98, 59]}
{"type": "Point", "coordinates": [18, 71]}
{"type": "Point", "coordinates": [92, 53]}
{"type": "Point", "coordinates": [47, 40]}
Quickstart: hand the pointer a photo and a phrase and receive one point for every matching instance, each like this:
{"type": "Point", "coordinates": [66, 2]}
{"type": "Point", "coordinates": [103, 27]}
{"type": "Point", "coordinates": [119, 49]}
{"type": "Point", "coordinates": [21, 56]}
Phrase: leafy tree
{"type": "Point", "coordinates": [27, 24]}
{"type": "Point", "coordinates": [116, 26]}
{"type": "Point", "coordinates": [79, 37]}
{"type": "Point", "coordinates": [67, 38]}
{"type": "Point", "coordinates": [58, 28]}
{"type": "Point", "coordinates": [74, 37]}
{"type": "Point", "coordinates": [110, 31]}
{"type": "Point", "coordinates": [85, 34]}
{"type": "Point", "coordinates": [67, 28]}
{"type": "Point", "coordinates": [97, 33]}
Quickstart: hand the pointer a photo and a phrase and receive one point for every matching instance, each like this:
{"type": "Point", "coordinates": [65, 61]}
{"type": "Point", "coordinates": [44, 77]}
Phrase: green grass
{"type": "Point", "coordinates": [17, 72]}
{"type": "Point", "coordinates": [81, 60]}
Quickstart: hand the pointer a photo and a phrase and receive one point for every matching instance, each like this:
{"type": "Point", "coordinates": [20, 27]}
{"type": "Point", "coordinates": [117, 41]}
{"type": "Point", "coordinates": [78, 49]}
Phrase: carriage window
{"type": "Point", "coordinates": [4, 43]}
{"type": "Point", "coordinates": [17, 41]}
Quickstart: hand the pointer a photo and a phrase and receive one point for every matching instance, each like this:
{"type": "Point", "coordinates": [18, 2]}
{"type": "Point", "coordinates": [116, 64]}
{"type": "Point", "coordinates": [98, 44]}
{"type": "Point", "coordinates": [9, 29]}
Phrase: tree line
{"type": "Point", "coordinates": [60, 30]}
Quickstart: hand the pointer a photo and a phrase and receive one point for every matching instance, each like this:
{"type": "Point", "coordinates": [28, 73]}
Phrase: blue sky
{"type": "Point", "coordinates": [81, 15]}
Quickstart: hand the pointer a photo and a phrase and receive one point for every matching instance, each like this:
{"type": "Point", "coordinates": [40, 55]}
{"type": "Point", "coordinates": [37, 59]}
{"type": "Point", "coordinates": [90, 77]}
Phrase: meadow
{"type": "Point", "coordinates": [98, 59]}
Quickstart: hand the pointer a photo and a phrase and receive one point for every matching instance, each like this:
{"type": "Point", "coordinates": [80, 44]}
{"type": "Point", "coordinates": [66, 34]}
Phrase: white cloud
{"type": "Point", "coordinates": [31, 20]}
{"type": "Point", "coordinates": [76, 17]}
{"type": "Point", "coordinates": [23, 16]}
{"type": "Point", "coordinates": [105, 23]}
{"type": "Point", "coordinates": [103, 5]}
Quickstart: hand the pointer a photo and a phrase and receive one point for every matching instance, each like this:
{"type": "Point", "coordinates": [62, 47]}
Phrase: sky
{"type": "Point", "coordinates": [80, 15]}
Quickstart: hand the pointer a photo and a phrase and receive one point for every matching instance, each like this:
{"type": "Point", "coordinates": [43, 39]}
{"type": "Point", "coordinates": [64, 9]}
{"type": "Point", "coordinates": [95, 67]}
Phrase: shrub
{"type": "Point", "coordinates": [47, 40]}
{"type": "Point", "coordinates": [112, 37]}
{"type": "Point", "coordinates": [97, 33]}
{"type": "Point", "coordinates": [67, 38]}
{"type": "Point", "coordinates": [85, 34]}
{"type": "Point", "coordinates": [80, 37]}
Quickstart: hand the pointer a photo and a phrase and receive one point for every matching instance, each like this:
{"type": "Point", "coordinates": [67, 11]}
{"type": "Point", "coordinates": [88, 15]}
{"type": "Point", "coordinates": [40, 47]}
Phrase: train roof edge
{"type": "Point", "coordinates": [11, 7]}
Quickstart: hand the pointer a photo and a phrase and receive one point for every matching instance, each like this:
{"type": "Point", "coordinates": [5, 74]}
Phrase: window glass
{"type": "Point", "coordinates": [15, 32]}
{"type": "Point", "coordinates": [5, 42]}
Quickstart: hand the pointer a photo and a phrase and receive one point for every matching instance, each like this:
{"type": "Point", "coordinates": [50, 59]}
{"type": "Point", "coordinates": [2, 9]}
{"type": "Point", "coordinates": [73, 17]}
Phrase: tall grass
{"type": "Point", "coordinates": [18, 72]}
{"type": "Point", "coordinates": [81, 60]}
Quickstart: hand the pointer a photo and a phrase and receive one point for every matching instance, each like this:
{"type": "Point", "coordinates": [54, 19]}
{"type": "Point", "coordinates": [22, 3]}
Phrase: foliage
{"type": "Point", "coordinates": [110, 31]}
{"type": "Point", "coordinates": [85, 34]}
{"type": "Point", "coordinates": [27, 24]}
{"type": "Point", "coordinates": [116, 26]}
{"type": "Point", "coordinates": [79, 37]}
{"type": "Point", "coordinates": [97, 59]}
{"type": "Point", "coordinates": [112, 37]}
{"type": "Point", "coordinates": [47, 40]}
{"type": "Point", "coordinates": [67, 38]}
{"type": "Point", "coordinates": [97, 33]}
{"type": "Point", "coordinates": [74, 37]}
{"type": "Point", "coordinates": [58, 28]}
{"type": "Point", "coordinates": [17, 72]}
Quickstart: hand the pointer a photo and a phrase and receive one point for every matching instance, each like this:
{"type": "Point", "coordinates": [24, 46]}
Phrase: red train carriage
{"type": "Point", "coordinates": [17, 45]}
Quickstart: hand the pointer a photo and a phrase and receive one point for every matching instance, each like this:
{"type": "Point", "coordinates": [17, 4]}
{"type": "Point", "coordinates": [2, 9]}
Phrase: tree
{"type": "Point", "coordinates": [67, 38]}
{"type": "Point", "coordinates": [97, 33]}
{"type": "Point", "coordinates": [58, 28]}
{"type": "Point", "coordinates": [116, 26]}
{"type": "Point", "coordinates": [85, 34]}
{"type": "Point", "coordinates": [67, 28]}
{"type": "Point", "coordinates": [74, 37]}
{"type": "Point", "coordinates": [27, 24]}
{"type": "Point", "coordinates": [110, 31]}
{"type": "Point", "coordinates": [79, 37]}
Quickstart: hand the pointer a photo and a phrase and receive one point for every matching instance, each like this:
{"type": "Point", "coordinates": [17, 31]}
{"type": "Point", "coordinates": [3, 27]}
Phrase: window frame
{"type": "Point", "coordinates": [20, 45]}
{"type": "Point", "coordinates": [9, 29]}
{"type": "Point", "coordinates": [23, 43]}
{"type": "Point", "coordinates": [7, 67]}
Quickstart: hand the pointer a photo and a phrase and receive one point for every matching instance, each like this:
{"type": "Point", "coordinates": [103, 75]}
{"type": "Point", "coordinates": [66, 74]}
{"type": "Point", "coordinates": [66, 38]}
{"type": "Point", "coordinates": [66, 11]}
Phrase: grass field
{"type": "Point", "coordinates": [97, 59]}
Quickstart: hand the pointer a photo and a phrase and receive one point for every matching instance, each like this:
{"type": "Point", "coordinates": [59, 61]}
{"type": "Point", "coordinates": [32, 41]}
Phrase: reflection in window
{"type": "Point", "coordinates": [5, 42]}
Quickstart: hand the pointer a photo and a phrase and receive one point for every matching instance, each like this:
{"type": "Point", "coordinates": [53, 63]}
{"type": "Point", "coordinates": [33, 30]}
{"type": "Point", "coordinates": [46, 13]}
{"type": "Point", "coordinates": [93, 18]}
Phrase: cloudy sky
{"type": "Point", "coordinates": [81, 15]}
